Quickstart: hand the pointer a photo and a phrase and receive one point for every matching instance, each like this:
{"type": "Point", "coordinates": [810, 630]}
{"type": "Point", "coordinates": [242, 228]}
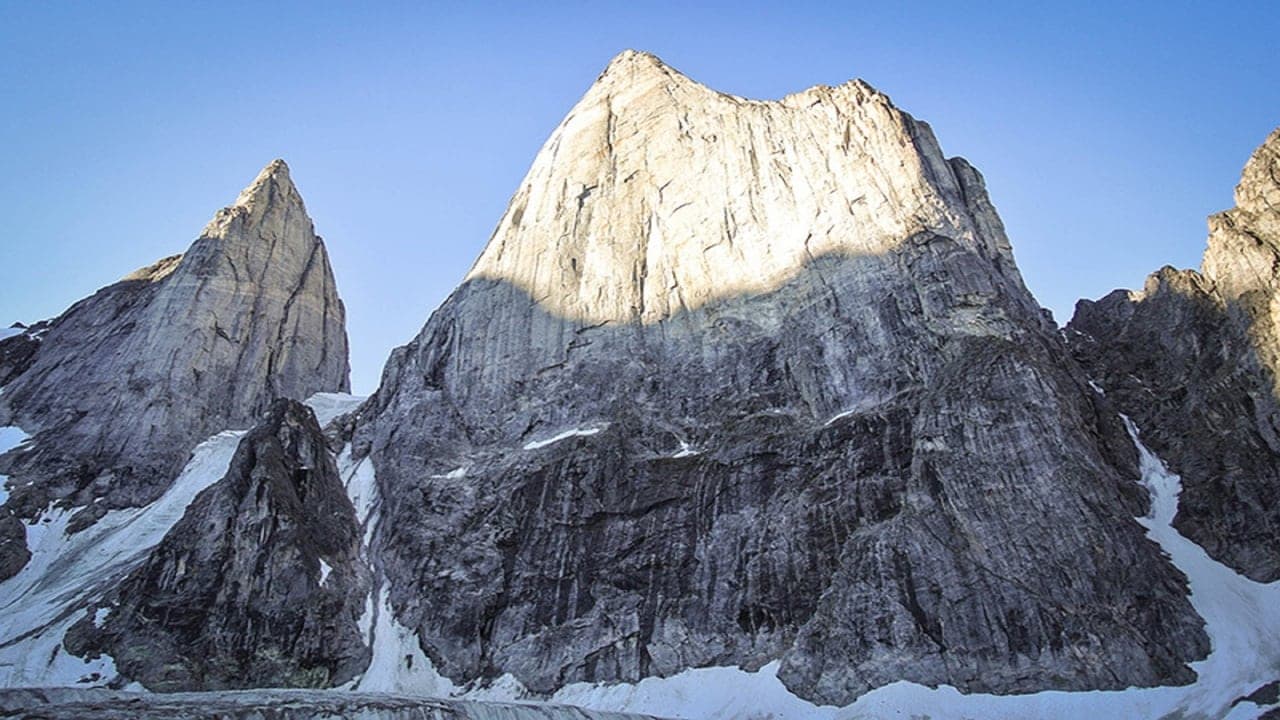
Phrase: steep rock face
{"type": "Point", "coordinates": [18, 348]}
{"type": "Point", "coordinates": [260, 584]}
{"type": "Point", "coordinates": [736, 381]}
{"type": "Point", "coordinates": [1193, 358]}
{"type": "Point", "coordinates": [118, 389]}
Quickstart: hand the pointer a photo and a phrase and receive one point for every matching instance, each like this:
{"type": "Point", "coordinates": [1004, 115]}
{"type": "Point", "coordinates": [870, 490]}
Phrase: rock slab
{"type": "Point", "coordinates": [737, 381]}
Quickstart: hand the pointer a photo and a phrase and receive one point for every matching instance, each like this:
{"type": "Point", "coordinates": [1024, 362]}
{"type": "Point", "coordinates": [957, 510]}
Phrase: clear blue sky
{"type": "Point", "coordinates": [1107, 131]}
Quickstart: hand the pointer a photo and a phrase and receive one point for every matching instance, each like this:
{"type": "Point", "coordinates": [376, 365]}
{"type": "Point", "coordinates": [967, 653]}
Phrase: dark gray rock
{"type": "Point", "coordinates": [118, 389]}
{"type": "Point", "coordinates": [17, 352]}
{"type": "Point", "coordinates": [740, 381]}
{"type": "Point", "coordinates": [1193, 359]}
{"type": "Point", "coordinates": [259, 584]}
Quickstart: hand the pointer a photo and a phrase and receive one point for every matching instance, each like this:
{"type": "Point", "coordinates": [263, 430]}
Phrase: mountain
{"type": "Point", "coordinates": [738, 381]}
{"type": "Point", "coordinates": [743, 412]}
{"type": "Point", "coordinates": [133, 396]}
{"type": "Point", "coordinates": [1194, 357]}
{"type": "Point", "coordinates": [119, 389]}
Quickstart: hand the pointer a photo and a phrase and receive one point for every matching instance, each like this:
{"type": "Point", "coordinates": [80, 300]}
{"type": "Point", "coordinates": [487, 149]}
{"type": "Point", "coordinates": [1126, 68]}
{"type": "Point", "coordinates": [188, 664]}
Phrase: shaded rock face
{"type": "Point", "coordinates": [260, 584]}
{"type": "Point", "coordinates": [737, 381]}
{"type": "Point", "coordinates": [118, 389]}
{"type": "Point", "coordinates": [18, 351]}
{"type": "Point", "coordinates": [1193, 358]}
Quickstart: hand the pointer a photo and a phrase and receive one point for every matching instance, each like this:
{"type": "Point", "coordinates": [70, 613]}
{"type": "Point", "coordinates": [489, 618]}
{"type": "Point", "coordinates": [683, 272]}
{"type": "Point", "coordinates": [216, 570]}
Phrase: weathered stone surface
{"type": "Point", "coordinates": [260, 584]}
{"type": "Point", "coordinates": [18, 351]}
{"type": "Point", "coordinates": [118, 389]}
{"type": "Point", "coordinates": [1194, 359]}
{"type": "Point", "coordinates": [736, 381]}
{"type": "Point", "coordinates": [66, 704]}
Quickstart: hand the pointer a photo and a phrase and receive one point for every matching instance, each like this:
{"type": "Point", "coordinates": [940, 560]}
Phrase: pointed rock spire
{"type": "Point", "coordinates": [273, 186]}
{"type": "Point", "coordinates": [653, 175]}
{"type": "Point", "coordinates": [126, 382]}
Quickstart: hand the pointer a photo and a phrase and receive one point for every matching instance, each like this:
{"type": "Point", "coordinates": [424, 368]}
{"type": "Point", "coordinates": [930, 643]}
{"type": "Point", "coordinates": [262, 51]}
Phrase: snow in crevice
{"type": "Point", "coordinates": [454, 474]}
{"type": "Point", "coordinates": [329, 406]}
{"type": "Point", "coordinates": [398, 663]}
{"type": "Point", "coordinates": [839, 416]}
{"type": "Point", "coordinates": [325, 569]}
{"type": "Point", "coordinates": [576, 432]}
{"type": "Point", "coordinates": [362, 489]}
{"type": "Point", "coordinates": [1097, 388]}
{"type": "Point", "coordinates": [66, 571]}
{"type": "Point", "coordinates": [686, 450]}
{"type": "Point", "coordinates": [1242, 619]}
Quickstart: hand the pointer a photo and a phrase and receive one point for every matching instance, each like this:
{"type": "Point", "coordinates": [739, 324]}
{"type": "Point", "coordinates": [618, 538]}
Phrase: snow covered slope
{"type": "Point", "coordinates": [41, 602]}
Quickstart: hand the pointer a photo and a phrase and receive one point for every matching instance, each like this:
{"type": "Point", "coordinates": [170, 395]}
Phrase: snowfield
{"type": "Point", "coordinates": [330, 406]}
{"type": "Point", "coordinates": [48, 595]}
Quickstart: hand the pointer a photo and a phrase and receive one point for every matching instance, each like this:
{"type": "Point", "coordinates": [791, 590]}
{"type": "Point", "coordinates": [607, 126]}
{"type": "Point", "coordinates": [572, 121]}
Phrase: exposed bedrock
{"type": "Point", "coordinates": [737, 381]}
{"type": "Point", "coordinates": [119, 388]}
{"type": "Point", "coordinates": [1193, 358]}
{"type": "Point", "coordinates": [260, 584]}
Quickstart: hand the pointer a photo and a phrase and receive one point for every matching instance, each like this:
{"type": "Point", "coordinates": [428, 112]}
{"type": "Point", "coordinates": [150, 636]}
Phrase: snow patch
{"type": "Point", "coordinates": [702, 693]}
{"type": "Point", "coordinates": [41, 602]}
{"type": "Point", "coordinates": [1097, 388]}
{"type": "Point", "coordinates": [330, 406]}
{"type": "Point", "coordinates": [41, 660]}
{"type": "Point", "coordinates": [454, 474]}
{"type": "Point", "coordinates": [325, 569]}
{"type": "Point", "coordinates": [686, 450]}
{"type": "Point", "coordinates": [11, 436]}
{"type": "Point", "coordinates": [362, 489]}
{"type": "Point", "coordinates": [840, 416]}
{"type": "Point", "coordinates": [577, 432]}
{"type": "Point", "coordinates": [398, 664]}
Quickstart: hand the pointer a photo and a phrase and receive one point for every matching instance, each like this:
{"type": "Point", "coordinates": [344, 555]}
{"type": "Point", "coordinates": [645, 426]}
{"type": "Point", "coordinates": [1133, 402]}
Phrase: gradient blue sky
{"type": "Point", "coordinates": [1107, 131]}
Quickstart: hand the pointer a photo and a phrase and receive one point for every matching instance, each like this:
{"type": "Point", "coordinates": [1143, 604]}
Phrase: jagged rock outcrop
{"type": "Point", "coordinates": [60, 704]}
{"type": "Point", "coordinates": [736, 381]}
{"type": "Point", "coordinates": [260, 584]}
{"type": "Point", "coordinates": [118, 389]}
{"type": "Point", "coordinates": [18, 348]}
{"type": "Point", "coordinates": [1194, 358]}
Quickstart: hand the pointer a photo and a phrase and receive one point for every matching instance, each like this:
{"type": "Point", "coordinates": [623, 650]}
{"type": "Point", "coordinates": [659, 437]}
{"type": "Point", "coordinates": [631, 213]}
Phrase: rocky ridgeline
{"type": "Point", "coordinates": [1194, 358]}
{"type": "Point", "coordinates": [118, 389]}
